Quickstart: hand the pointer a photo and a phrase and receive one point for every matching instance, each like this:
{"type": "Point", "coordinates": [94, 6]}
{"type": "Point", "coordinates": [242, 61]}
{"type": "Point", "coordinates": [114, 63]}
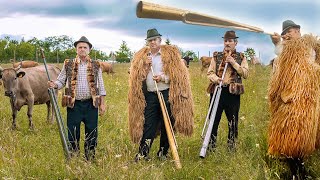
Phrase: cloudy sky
{"type": "Point", "coordinates": [107, 22]}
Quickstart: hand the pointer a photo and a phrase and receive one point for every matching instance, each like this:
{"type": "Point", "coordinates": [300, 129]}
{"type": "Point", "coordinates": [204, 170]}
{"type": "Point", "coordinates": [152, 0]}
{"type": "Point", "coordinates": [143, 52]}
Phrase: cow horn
{"type": "Point", "coordinates": [17, 69]}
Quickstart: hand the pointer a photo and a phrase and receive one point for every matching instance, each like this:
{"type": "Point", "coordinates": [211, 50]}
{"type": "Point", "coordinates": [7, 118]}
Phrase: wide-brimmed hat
{"type": "Point", "coordinates": [287, 24]}
{"type": "Point", "coordinates": [152, 33]}
{"type": "Point", "coordinates": [230, 35]}
{"type": "Point", "coordinates": [83, 39]}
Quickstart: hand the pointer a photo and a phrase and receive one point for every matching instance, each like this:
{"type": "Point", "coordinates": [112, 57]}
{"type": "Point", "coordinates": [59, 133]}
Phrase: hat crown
{"type": "Point", "coordinates": [287, 24]}
{"type": "Point", "coordinates": [151, 33]}
{"type": "Point", "coordinates": [83, 39]}
{"type": "Point", "coordinates": [230, 35]}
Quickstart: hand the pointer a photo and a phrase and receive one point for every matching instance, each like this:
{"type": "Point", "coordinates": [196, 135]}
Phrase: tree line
{"type": "Point", "coordinates": [58, 48]}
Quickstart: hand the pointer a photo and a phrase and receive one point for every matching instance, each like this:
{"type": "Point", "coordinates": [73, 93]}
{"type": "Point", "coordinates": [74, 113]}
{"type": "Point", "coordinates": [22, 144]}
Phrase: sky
{"type": "Point", "coordinates": [106, 23]}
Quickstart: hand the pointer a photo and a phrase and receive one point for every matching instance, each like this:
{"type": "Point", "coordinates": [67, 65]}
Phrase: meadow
{"type": "Point", "coordinates": [38, 154]}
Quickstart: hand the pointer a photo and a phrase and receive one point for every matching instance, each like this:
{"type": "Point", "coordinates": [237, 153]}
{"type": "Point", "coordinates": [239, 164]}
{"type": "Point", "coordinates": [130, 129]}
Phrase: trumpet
{"type": "Point", "coordinates": [212, 113]}
{"type": "Point", "coordinates": [155, 11]}
{"type": "Point", "coordinates": [168, 126]}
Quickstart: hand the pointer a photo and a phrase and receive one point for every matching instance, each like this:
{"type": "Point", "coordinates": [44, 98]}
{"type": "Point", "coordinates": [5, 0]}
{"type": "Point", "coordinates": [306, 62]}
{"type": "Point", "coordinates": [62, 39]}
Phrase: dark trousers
{"type": "Point", "coordinates": [154, 119]}
{"type": "Point", "coordinates": [83, 111]}
{"type": "Point", "coordinates": [230, 104]}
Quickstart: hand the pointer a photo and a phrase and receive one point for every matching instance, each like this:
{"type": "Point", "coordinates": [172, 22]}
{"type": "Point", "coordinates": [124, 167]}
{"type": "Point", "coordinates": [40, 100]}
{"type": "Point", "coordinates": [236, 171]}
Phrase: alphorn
{"type": "Point", "coordinates": [212, 113]}
{"type": "Point", "coordinates": [156, 11]}
{"type": "Point", "coordinates": [168, 126]}
{"type": "Point", "coordinates": [61, 127]}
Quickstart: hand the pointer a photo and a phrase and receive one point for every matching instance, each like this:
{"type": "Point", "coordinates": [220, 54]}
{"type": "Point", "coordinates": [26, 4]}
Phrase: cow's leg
{"type": "Point", "coordinates": [49, 114]}
{"type": "Point", "coordinates": [14, 115]}
{"type": "Point", "coordinates": [29, 113]}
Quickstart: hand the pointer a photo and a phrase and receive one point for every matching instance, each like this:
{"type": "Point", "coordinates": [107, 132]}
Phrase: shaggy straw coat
{"type": "Point", "coordinates": [294, 100]}
{"type": "Point", "coordinates": [180, 96]}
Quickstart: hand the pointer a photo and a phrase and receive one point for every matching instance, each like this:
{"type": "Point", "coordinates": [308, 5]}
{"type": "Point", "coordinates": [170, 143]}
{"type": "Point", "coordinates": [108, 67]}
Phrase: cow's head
{"type": "Point", "coordinates": [10, 77]}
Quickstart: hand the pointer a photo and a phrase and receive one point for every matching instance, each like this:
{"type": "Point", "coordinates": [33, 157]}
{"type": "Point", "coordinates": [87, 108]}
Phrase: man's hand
{"type": "Point", "coordinates": [216, 80]}
{"type": "Point", "coordinates": [157, 78]}
{"type": "Point", "coordinates": [102, 106]}
{"type": "Point", "coordinates": [230, 60]}
{"type": "Point", "coordinates": [149, 60]}
{"type": "Point", "coordinates": [51, 84]}
{"type": "Point", "coordinates": [276, 38]}
{"type": "Point", "coordinates": [102, 109]}
{"type": "Point", "coordinates": [286, 37]}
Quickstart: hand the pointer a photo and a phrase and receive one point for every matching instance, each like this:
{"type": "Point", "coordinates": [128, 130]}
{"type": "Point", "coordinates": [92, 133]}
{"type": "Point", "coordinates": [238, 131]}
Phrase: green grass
{"type": "Point", "coordinates": [38, 154]}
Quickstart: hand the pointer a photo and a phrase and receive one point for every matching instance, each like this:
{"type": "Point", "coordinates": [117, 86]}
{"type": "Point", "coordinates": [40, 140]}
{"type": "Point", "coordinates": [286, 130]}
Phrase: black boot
{"type": "Point", "coordinates": [231, 145]}
{"type": "Point", "coordinates": [293, 167]}
{"type": "Point", "coordinates": [162, 154]}
{"type": "Point", "coordinates": [90, 154]}
{"type": "Point", "coordinates": [144, 151]}
{"type": "Point", "coordinates": [212, 144]}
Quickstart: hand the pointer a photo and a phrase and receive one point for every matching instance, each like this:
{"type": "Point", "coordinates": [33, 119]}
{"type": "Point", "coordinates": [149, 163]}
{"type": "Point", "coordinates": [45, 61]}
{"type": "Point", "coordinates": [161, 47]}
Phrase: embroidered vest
{"type": "Point", "coordinates": [72, 67]}
{"type": "Point", "coordinates": [220, 57]}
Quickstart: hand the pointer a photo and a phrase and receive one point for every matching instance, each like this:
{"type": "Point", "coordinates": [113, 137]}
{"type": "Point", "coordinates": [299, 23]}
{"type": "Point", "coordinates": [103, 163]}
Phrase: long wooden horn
{"type": "Point", "coordinates": [156, 11]}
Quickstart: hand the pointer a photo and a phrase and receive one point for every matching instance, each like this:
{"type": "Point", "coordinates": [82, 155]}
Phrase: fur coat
{"type": "Point", "coordinates": [180, 96]}
{"type": "Point", "coordinates": [294, 100]}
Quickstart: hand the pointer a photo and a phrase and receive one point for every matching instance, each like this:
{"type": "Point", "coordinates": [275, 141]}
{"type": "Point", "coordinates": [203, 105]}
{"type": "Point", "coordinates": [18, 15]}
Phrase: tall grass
{"type": "Point", "coordinates": [38, 154]}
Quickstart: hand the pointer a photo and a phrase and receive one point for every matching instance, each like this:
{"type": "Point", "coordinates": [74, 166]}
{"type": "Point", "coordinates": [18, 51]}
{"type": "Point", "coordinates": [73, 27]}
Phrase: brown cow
{"type": "Point", "coordinates": [28, 86]}
{"type": "Point", "coordinates": [106, 67]}
{"type": "Point", "coordinates": [25, 64]}
{"type": "Point", "coordinates": [205, 61]}
{"type": "Point", "coordinates": [186, 60]}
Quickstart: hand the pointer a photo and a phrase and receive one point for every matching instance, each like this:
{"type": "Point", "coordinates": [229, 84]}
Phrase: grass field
{"type": "Point", "coordinates": [38, 154]}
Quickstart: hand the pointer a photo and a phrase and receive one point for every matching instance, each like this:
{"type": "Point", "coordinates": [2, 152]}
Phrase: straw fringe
{"type": "Point", "coordinates": [180, 96]}
{"type": "Point", "coordinates": [294, 101]}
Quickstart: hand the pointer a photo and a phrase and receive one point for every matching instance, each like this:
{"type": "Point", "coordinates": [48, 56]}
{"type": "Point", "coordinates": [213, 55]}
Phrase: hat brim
{"type": "Point", "coordinates": [153, 37]}
{"type": "Point", "coordinates": [287, 28]}
{"type": "Point", "coordinates": [231, 38]}
{"type": "Point", "coordinates": [75, 44]}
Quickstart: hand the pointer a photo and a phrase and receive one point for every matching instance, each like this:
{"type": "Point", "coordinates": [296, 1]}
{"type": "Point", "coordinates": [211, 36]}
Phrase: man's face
{"type": "Point", "coordinates": [154, 43]}
{"type": "Point", "coordinates": [292, 33]}
{"type": "Point", "coordinates": [229, 44]}
{"type": "Point", "coordinates": [83, 49]}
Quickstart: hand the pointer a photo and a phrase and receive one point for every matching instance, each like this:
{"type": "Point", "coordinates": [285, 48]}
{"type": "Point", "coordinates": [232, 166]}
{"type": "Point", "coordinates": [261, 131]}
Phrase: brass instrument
{"type": "Point", "coordinates": [156, 11]}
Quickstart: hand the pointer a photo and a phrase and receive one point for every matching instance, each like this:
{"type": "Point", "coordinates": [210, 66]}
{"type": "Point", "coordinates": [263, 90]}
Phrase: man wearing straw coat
{"type": "Point", "coordinates": [145, 116]}
{"type": "Point", "coordinates": [294, 96]}
{"type": "Point", "coordinates": [232, 86]}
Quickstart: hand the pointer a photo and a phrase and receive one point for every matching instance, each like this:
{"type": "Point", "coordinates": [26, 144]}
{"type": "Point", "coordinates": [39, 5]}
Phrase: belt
{"type": "Point", "coordinates": [155, 92]}
{"type": "Point", "coordinates": [84, 100]}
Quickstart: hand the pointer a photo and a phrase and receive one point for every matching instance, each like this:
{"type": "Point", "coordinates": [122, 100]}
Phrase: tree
{"type": "Point", "coordinates": [249, 54]}
{"type": "Point", "coordinates": [168, 42]}
{"type": "Point", "coordinates": [25, 51]}
{"type": "Point", "coordinates": [124, 54]}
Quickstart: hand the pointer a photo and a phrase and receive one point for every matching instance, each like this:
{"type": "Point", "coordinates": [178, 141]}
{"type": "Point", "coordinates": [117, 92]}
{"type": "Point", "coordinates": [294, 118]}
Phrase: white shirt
{"type": "Point", "coordinates": [157, 66]}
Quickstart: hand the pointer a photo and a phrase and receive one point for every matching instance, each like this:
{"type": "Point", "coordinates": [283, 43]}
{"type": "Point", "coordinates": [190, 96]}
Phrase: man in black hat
{"type": "Point", "coordinates": [232, 86]}
{"type": "Point", "coordinates": [84, 97]}
{"type": "Point", "coordinates": [290, 30]}
{"type": "Point", "coordinates": [145, 115]}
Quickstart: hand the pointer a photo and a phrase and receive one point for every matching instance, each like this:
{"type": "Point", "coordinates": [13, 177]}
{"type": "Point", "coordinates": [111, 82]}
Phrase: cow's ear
{"type": "Point", "coordinates": [20, 74]}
